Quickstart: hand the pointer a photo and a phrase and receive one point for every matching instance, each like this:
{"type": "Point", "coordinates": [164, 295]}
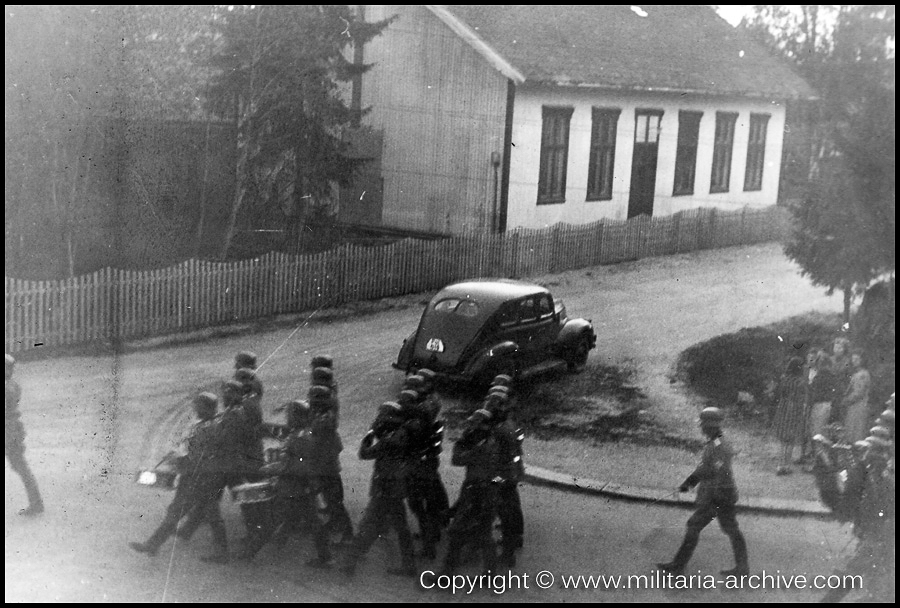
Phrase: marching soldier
{"type": "Point", "coordinates": [512, 471]}
{"type": "Point", "coordinates": [325, 461]}
{"type": "Point", "coordinates": [387, 443]}
{"type": "Point", "coordinates": [296, 490]}
{"type": "Point", "coordinates": [201, 482]}
{"type": "Point", "coordinates": [15, 442]}
{"type": "Point", "coordinates": [716, 498]}
{"type": "Point", "coordinates": [247, 360]}
{"type": "Point", "coordinates": [423, 481]}
{"type": "Point", "coordinates": [871, 488]}
{"type": "Point", "coordinates": [473, 520]}
{"type": "Point", "coordinates": [241, 428]}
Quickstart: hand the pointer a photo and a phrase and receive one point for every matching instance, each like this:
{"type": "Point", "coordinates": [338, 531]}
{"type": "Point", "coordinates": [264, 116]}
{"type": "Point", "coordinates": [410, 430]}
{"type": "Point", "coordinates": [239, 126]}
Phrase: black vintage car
{"type": "Point", "coordinates": [474, 330]}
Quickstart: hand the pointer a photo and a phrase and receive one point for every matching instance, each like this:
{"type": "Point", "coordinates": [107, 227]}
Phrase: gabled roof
{"type": "Point", "coordinates": [648, 48]}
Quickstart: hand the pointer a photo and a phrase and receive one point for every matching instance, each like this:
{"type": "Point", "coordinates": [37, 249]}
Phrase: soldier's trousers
{"type": "Point", "coordinates": [427, 499]}
{"type": "Point", "coordinates": [285, 511]}
{"type": "Point", "coordinates": [473, 522]}
{"type": "Point", "coordinates": [512, 523]}
{"type": "Point", "coordinates": [199, 497]}
{"type": "Point", "coordinates": [385, 510]}
{"type": "Point", "coordinates": [727, 516]}
{"type": "Point", "coordinates": [15, 454]}
{"type": "Point", "coordinates": [332, 489]}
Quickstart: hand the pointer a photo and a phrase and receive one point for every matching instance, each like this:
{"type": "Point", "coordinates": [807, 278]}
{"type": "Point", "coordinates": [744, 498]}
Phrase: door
{"type": "Point", "coordinates": [643, 162]}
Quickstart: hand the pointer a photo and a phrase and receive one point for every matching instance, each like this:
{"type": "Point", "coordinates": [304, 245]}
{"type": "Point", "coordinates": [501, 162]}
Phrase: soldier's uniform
{"type": "Point", "coordinates": [512, 471]}
{"type": "Point", "coordinates": [387, 444]}
{"type": "Point", "coordinates": [15, 442]}
{"type": "Point", "coordinates": [296, 490]}
{"type": "Point", "coordinates": [476, 508]}
{"type": "Point", "coordinates": [199, 486]}
{"type": "Point", "coordinates": [871, 486]}
{"type": "Point", "coordinates": [440, 501]}
{"type": "Point", "coordinates": [423, 482]}
{"type": "Point", "coordinates": [326, 459]}
{"type": "Point", "coordinates": [716, 498]}
{"type": "Point", "coordinates": [241, 430]}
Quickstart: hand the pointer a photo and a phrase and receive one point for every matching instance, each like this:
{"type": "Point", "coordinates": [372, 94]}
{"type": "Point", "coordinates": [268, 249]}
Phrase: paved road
{"type": "Point", "coordinates": [93, 421]}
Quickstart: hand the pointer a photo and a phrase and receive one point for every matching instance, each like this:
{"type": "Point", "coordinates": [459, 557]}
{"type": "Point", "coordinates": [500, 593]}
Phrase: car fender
{"type": "Point", "coordinates": [404, 357]}
{"type": "Point", "coordinates": [573, 330]}
{"type": "Point", "coordinates": [488, 356]}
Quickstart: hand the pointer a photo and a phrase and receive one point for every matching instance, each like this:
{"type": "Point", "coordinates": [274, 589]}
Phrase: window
{"type": "Point", "coordinates": [721, 166]}
{"type": "Point", "coordinates": [554, 155]}
{"type": "Point", "coordinates": [544, 307]}
{"type": "Point", "coordinates": [603, 154]}
{"type": "Point", "coordinates": [756, 152]}
{"type": "Point", "coordinates": [686, 153]}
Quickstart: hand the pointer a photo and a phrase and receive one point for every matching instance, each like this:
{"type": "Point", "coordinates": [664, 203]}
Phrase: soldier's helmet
{"type": "Point", "coordinates": [320, 397]}
{"type": "Point", "coordinates": [322, 361]}
{"type": "Point", "coordinates": [886, 419]}
{"type": "Point", "coordinates": [205, 405]}
{"type": "Point", "coordinates": [502, 380]}
{"type": "Point", "coordinates": [414, 383]}
{"type": "Point", "coordinates": [408, 397]}
{"type": "Point", "coordinates": [298, 413]}
{"type": "Point", "coordinates": [232, 391]}
{"type": "Point", "coordinates": [480, 418]}
{"type": "Point", "coordinates": [430, 378]}
{"type": "Point", "coordinates": [881, 432]}
{"type": "Point", "coordinates": [323, 376]}
{"type": "Point", "coordinates": [245, 358]}
{"type": "Point", "coordinates": [244, 375]}
{"type": "Point", "coordinates": [389, 408]}
{"type": "Point", "coordinates": [712, 416]}
{"type": "Point", "coordinates": [499, 389]}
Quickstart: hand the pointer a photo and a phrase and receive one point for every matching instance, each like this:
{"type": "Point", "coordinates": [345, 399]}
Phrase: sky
{"type": "Point", "coordinates": [733, 13]}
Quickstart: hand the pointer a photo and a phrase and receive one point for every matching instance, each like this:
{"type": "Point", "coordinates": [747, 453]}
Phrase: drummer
{"type": "Point", "coordinates": [294, 498]}
{"type": "Point", "coordinates": [201, 481]}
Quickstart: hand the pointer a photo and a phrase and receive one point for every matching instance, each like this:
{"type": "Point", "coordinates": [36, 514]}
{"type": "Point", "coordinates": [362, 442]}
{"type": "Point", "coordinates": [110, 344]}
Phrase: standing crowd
{"type": "Point", "coordinates": [826, 394]}
{"type": "Point", "coordinates": [297, 486]}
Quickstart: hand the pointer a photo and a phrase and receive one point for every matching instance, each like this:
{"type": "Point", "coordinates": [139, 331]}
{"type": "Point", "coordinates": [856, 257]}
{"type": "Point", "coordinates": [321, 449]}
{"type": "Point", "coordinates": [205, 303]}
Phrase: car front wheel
{"type": "Point", "coordinates": [577, 357]}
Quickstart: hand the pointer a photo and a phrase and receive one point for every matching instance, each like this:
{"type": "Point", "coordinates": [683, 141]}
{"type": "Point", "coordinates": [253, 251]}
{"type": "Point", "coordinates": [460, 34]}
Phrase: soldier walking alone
{"type": "Point", "coordinates": [716, 498]}
{"type": "Point", "coordinates": [15, 442]}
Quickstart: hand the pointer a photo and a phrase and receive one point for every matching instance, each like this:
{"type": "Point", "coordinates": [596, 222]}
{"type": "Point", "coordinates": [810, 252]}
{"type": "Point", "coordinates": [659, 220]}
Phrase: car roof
{"type": "Point", "coordinates": [489, 292]}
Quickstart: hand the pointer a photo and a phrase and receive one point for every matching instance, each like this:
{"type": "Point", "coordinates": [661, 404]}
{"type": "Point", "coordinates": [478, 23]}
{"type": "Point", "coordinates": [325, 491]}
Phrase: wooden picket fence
{"type": "Point", "coordinates": [114, 304]}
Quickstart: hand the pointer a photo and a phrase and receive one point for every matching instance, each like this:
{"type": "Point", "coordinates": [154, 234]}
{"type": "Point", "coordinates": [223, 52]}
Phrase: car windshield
{"type": "Point", "coordinates": [466, 308]}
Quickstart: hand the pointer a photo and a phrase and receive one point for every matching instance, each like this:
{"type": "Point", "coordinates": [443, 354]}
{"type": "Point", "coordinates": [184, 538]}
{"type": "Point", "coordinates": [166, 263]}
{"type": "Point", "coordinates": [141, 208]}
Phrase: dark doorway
{"type": "Point", "coordinates": [643, 163]}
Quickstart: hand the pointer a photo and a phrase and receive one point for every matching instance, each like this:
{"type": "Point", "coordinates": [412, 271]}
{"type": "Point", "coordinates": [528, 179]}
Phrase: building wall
{"type": "Point", "coordinates": [442, 108]}
{"type": "Point", "coordinates": [525, 154]}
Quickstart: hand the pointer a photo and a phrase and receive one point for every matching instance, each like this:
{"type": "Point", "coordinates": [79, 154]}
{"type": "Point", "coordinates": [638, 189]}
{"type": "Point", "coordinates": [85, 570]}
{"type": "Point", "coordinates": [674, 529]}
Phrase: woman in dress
{"type": "Point", "coordinates": [790, 412]}
{"type": "Point", "coordinates": [856, 399]}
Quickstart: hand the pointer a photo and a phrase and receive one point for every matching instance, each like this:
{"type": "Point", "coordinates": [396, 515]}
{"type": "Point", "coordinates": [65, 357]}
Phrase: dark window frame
{"type": "Point", "coordinates": [686, 152]}
{"type": "Point", "coordinates": [602, 159]}
{"type": "Point", "coordinates": [756, 152]}
{"type": "Point", "coordinates": [555, 121]}
{"type": "Point", "coordinates": [723, 152]}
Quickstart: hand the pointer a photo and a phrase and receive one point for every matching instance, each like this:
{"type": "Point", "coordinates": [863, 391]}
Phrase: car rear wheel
{"type": "Point", "coordinates": [577, 357]}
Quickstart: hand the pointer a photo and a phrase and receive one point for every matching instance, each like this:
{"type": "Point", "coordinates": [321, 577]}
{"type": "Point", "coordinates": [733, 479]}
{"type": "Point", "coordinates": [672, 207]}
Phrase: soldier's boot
{"type": "Point", "coordinates": [220, 540]}
{"type": "Point", "coordinates": [739, 547]}
{"type": "Point", "coordinates": [156, 540]}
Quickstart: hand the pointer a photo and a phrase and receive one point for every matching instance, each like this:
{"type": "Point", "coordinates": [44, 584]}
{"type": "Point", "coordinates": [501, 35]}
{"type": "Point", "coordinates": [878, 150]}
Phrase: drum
{"type": "Point", "coordinates": [256, 492]}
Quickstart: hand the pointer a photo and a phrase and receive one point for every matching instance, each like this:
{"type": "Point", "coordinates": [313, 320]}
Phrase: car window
{"type": "Point", "coordinates": [508, 315]}
{"type": "Point", "coordinates": [465, 308]}
{"type": "Point", "coordinates": [448, 305]}
{"type": "Point", "coordinates": [527, 310]}
{"type": "Point", "coordinates": [544, 306]}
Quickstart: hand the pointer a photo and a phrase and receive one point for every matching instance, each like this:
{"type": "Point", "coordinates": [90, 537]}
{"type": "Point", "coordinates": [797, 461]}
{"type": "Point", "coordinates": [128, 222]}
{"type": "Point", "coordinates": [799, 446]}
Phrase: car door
{"type": "Point", "coordinates": [544, 329]}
